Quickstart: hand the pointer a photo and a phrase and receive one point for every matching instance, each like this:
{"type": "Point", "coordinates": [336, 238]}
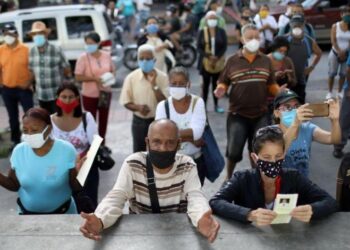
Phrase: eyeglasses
{"type": "Point", "coordinates": [268, 129]}
{"type": "Point", "coordinates": [288, 107]}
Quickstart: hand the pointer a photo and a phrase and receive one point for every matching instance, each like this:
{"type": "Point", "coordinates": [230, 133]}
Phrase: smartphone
{"type": "Point", "coordinates": [319, 109]}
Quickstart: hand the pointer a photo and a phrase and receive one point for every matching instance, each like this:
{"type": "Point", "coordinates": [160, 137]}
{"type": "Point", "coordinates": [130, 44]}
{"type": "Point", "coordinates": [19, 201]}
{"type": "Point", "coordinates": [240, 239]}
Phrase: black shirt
{"type": "Point", "coordinates": [244, 192]}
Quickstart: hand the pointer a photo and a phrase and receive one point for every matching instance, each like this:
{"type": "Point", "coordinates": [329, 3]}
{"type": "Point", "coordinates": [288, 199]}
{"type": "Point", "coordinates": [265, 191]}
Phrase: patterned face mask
{"type": "Point", "coordinates": [270, 169]}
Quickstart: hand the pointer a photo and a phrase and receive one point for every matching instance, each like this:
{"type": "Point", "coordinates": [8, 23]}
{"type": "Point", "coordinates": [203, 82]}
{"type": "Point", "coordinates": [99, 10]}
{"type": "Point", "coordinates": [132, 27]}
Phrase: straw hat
{"type": "Point", "coordinates": [39, 27]}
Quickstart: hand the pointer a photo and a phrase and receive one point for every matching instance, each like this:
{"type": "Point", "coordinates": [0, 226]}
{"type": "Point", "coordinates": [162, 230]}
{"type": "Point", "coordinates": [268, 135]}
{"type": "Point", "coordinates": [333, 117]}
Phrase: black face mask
{"type": "Point", "coordinates": [270, 169]}
{"type": "Point", "coordinates": [162, 160]}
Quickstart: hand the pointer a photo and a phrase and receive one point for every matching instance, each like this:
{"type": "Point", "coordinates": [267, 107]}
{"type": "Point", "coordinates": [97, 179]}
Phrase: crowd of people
{"type": "Point", "coordinates": [265, 82]}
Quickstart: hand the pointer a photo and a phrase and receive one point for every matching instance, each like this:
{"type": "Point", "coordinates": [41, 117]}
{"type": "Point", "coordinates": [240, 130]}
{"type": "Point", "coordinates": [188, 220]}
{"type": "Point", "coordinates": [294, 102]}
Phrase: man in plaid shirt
{"type": "Point", "coordinates": [48, 66]}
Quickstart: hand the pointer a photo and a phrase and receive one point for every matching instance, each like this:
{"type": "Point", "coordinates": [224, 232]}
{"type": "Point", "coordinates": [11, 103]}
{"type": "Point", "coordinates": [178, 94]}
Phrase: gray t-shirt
{"type": "Point", "coordinates": [300, 52]}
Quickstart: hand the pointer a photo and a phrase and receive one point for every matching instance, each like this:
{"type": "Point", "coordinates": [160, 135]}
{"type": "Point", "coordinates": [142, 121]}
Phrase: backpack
{"type": "Point", "coordinates": [343, 184]}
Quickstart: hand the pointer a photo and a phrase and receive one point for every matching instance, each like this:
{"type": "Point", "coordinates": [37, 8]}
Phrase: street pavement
{"type": "Point", "coordinates": [323, 166]}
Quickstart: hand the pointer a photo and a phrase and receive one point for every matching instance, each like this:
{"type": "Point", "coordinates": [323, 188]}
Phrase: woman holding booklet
{"type": "Point", "coordinates": [249, 196]}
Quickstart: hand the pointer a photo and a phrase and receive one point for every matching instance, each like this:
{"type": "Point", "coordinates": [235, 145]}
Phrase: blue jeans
{"type": "Point", "coordinates": [12, 97]}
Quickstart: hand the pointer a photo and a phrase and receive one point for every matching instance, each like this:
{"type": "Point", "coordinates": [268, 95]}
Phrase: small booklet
{"type": "Point", "coordinates": [90, 157]}
{"type": "Point", "coordinates": [284, 204]}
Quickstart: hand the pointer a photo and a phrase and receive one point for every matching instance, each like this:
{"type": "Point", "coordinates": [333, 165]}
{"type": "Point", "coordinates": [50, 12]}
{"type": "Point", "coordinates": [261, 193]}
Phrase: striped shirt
{"type": "Point", "coordinates": [48, 68]}
{"type": "Point", "coordinates": [179, 190]}
{"type": "Point", "coordinates": [249, 82]}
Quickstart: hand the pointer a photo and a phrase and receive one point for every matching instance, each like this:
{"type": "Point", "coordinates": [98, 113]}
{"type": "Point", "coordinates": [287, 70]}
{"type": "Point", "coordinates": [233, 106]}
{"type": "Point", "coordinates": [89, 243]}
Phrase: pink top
{"type": "Point", "coordinates": [91, 66]}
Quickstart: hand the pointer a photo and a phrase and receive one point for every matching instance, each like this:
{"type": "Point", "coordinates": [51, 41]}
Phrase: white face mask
{"type": "Point", "coordinates": [168, 13]}
{"type": "Point", "coordinates": [178, 92]}
{"type": "Point", "coordinates": [297, 32]}
{"type": "Point", "coordinates": [9, 40]}
{"type": "Point", "coordinates": [252, 46]}
{"type": "Point", "coordinates": [35, 140]}
{"type": "Point", "coordinates": [212, 23]}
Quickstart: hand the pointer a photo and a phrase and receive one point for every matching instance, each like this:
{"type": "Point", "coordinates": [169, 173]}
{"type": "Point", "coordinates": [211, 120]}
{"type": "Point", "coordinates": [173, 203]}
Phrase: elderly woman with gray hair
{"type": "Point", "coordinates": [188, 112]}
{"type": "Point", "coordinates": [142, 90]}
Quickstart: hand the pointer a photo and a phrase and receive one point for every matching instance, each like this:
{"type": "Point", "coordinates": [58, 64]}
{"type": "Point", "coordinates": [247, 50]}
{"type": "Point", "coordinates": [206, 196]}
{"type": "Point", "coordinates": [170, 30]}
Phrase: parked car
{"type": "Point", "coordinates": [69, 24]}
{"type": "Point", "coordinates": [322, 14]}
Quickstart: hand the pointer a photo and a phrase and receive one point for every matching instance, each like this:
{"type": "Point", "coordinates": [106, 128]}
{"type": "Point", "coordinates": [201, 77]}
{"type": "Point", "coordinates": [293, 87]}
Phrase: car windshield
{"type": "Point", "coordinates": [309, 3]}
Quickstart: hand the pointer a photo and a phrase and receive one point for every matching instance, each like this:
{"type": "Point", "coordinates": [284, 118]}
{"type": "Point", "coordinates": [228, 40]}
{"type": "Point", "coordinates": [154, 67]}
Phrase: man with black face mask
{"type": "Point", "coordinates": [169, 180]}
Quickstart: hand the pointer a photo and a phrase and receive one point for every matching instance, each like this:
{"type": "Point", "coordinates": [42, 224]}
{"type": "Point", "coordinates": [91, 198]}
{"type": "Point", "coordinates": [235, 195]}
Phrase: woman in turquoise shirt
{"type": "Point", "coordinates": [43, 170]}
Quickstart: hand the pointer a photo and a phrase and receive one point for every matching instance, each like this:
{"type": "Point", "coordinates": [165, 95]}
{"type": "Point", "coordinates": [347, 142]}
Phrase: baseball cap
{"type": "Point", "coordinates": [10, 28]}
{"type": "Point", "coordinates": [283, 97]}
{"type": "Point", "coordinates": [297, 19]}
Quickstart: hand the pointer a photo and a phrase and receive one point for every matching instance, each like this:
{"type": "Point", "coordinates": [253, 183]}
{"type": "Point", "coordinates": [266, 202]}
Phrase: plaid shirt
{"type": "Point", "coordinates": [48, 70]}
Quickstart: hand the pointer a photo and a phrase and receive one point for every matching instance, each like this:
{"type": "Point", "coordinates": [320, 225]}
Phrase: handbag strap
{"type": "Point", "coordinates": [263, 30]}
{"type": "Point", "coordinates": [88, 58]}
{"type": "Point", "coordinates": [83, 118]}
{"type": "Point", "coordinates": [206, 40]}
{"type": "Point", "coordinates": [167, 112]}
{"type": "Point", "coordinates": [152, 187]}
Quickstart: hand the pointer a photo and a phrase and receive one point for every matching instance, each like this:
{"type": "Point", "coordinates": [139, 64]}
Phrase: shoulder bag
{"type": "Point", "coordinates": [213, 159]}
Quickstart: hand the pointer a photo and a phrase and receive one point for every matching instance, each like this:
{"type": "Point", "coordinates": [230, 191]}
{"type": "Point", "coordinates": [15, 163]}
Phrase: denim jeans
{"type": "Point", "coordinates": [12, 97]}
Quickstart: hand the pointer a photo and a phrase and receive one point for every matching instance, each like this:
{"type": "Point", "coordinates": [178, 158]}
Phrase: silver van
{"type": "Point", "coordinates": [69, 24]}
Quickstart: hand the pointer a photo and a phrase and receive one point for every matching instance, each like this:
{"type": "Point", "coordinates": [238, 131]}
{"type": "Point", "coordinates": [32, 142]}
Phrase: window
{"type": "Point", "coordinates": [79, 26]}
{"type": "Point", "coordinates": [50, 23]}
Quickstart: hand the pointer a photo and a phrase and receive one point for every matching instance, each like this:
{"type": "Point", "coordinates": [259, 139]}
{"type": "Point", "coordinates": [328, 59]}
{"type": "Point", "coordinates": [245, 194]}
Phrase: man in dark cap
{"type": "Point", "coordinates": [301, 49]}
{"type": "Point", "coordinates": [15, 78]}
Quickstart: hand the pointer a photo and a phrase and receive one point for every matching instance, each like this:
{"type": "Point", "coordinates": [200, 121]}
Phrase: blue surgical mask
{"type": "Point", "coordinates": [146, 65]}
{"type": "Point", "coordinates": [91, 48]}
{"type": "Point", "coordinates": [278, 55]}
{"type": "Point", "coordinates": [39, 40]}
{"type": "Point", "coordinates": [152, 28]}
{"type": "Point", "coordinates": [288, 117]}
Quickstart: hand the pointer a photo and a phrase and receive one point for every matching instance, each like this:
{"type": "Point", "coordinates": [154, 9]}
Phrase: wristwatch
{"type": "Point", "coordinates": [155, 87]}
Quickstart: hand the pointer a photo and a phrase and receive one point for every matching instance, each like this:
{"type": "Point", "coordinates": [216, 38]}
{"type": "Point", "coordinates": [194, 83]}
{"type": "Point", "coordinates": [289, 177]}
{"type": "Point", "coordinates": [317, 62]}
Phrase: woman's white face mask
{"type": "Point", "coordinates": [36, 140]}
{"type": "Point", "coordinates": [178, 92]}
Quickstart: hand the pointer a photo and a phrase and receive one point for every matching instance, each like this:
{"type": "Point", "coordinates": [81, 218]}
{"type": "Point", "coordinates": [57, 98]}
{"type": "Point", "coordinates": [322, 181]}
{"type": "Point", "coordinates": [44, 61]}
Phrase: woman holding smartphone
{"type": "Point", "coordinates": [294, 120]}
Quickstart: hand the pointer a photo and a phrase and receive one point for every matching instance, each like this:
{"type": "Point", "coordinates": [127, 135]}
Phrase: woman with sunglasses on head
{"type": "Point", "coordinates": [294, 120]}
{"type": "Point", "coordinates": [43, 170]}
{"type": "Point", "coordinates": [72, 125]}
{"type": "Point", "coordinates": [249, 195]}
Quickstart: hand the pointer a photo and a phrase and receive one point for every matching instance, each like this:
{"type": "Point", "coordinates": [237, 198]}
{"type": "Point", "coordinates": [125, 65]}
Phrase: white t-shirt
{"type": "Point", "coordinates": [283, 20]}
{"type": "Point", "coordinates": [80, 139]}
{"type": "Point", "coordinates": [140, 4]}
{"type": "Point", "coordinates": [195, 120]}
{"type": "Point", "coordinates": [266, 34]}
